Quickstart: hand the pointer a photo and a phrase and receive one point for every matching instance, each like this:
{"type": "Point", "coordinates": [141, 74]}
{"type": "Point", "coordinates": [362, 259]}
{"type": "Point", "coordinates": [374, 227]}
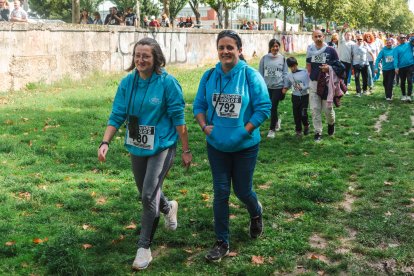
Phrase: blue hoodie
{"type": "Point", "coordinates": [242, 101]}
{"type": "Point", "coordinates": [386, 57]}
{"type": "Point", "coordinates": [159, 105]}
{"type": "Point", "coordinates": [403, 55]}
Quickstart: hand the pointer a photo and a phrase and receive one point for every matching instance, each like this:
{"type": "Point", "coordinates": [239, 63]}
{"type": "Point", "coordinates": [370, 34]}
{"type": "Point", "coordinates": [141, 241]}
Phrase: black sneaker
{"type": "Point", "coordinates": [331, 129]}
{"type": "Point", "coordinates": [256, 225]}
{"type": "Point", "coordinates": [306, 130]}
{"type": "Point", "coordinates": [317, 137]}
{"type": "Point", "coordinates": [219, 250]}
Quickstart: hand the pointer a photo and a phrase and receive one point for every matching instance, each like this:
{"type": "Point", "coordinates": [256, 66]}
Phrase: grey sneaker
{"type": "Point", "coordinates": [170, 219]}
{"type": "Point", "coordinates": [279, 125]}
{"type": "Point", "coordinates": [219, 250]}
{"type": "Point", "coordinates": [142, 259]}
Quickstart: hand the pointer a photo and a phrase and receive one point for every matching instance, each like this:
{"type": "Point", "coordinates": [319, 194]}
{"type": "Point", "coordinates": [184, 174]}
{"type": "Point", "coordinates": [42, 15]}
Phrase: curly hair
{"type": "Point", "coordinates": [159, 58]}
{"type": "Point", "coordinates": [369, 35]}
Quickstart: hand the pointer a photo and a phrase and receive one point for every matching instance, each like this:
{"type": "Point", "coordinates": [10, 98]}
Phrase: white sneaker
{"type": "Point", "coordinates": [358, 95]}
{"type": "Point", "coordinates": [403, 98]}
{"type": "Point", "coordinates": [271, 134]}
{"type": "Point", "coordinates": [388, 99]}
{"type": "Point", "coordinates": [170, 219]}
{"type": "Point", "coordinates": [408, 98]}
{"type": "Point", "coordinates": [278, 125]}
{"type": "Point", "coordinates": [142, 259]}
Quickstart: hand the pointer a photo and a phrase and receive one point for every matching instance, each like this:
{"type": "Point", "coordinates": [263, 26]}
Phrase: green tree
{"type": "Point", "coordinates": [195, 5]}
{"type": "Point", "coordinates": [175, 6]}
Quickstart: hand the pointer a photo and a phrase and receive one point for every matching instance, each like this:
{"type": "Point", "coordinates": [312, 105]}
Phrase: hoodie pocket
{"type": "Point", "coordinates": [229, 138]}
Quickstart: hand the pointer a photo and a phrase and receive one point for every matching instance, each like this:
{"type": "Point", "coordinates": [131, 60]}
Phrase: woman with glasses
{"type": "Point", "coordinates": [373, 48]}
{"type": "Point", "coordinates": [231, 103]}
{"type": "Point", "coordinates": [151, 103]}
{"type": "Point", "coordinates": [360, 52]}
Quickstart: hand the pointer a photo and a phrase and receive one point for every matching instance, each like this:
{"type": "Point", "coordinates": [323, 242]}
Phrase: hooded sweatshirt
{"type": "Point", "coordinates": [244, 99]}
{"type": "Point", "coordinates": [159, 105]}
{"type": "Point", "coordinates": [386, 57]}
{"type": "Point", "coordinates": [404, 55]}
{"type": "Point", "coordinates": [273, 69]}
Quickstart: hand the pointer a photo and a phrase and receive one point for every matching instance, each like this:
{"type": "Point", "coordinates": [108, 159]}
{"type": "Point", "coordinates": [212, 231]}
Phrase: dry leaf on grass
{"type": "Point", "coordinates": [184, 192]}
{"type": "Point", "coordinates": [85, 226]}
{"type": "Point", "coordinates": [38, 240]}
{"type": "Point", "coordinates": [93, 194]}
{"type": "Point", "coordinates": [232, 254]}
{"type": "Point", "coordinates": [86, 246]}
{"type": "Point", "coordinates": [131, 226]}
{"type": "Point", "coordinates": [387, 183]}
{"type": "Point", "coordinates": [388, 214]}
{"type": "Point", "coordinates": [189, 251]}
{"type": "Point", "coordinates": [305, 153]}
{"type": "Point", "coordinates": [119, 239]}
{"type": "Point", "coordinates": [25, 195]}
{"type": "Point", "coordinates": [264, 186]}
{"type": "Point", "coordinates": [59, 205]}
{"type": "Point", "coordinates": [257, 260]}
{"type": "Point", "coordinates": [232, 216]}
{"type": "Point", "coordinates": [101, 200]}
{"type": "Point", "coordinates": [10, 243]}
{"type": "Point", "coordinates": [205, 197]}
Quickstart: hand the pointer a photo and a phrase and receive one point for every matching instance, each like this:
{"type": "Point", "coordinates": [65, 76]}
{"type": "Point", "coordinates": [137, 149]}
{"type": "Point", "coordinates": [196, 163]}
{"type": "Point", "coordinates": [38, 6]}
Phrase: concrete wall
{"type": "Point", "coordinates": [40, 52]}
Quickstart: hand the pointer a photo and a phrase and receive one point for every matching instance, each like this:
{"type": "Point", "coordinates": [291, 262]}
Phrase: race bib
{"type": "Point", "coordinates": [228, 106]}
{"type": "Point", "coordinates": [272, 72]}
{"type": "Point", "coordinates": [321, 58]}
{"type": "Point", "coordinates": [389, 59]}
{"type": "Point", "coordinates": [144, 139]}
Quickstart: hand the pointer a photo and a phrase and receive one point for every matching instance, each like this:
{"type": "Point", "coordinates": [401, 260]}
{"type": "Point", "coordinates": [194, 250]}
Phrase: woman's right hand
{"type": "Point", "coordinates": [208, 129]}
{"type": "Point", "coordinates": [102, 152]}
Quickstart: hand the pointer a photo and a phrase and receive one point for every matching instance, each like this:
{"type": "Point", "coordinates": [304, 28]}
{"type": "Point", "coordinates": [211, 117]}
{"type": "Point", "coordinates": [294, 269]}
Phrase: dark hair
{"type": "Point", "coordinates": [231, 34]}
{"type": "Point", "coordinates": [272, 43]}
{"type": "Point", "coordinates": [159, 58]}
{"type": "Point", "coordinates": [291, 61]}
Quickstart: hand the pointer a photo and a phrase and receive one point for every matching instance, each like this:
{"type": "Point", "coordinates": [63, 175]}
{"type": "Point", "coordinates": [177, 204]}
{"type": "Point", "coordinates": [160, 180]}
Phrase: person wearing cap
{"type": "Point", "coordinates": [386, 58]}
{"type": "Point", "coordinates": [404, 66]}
{"type": "Point", "coordinates": [231, 103]}
{"type": "Point", "coordinates": [154, 22]}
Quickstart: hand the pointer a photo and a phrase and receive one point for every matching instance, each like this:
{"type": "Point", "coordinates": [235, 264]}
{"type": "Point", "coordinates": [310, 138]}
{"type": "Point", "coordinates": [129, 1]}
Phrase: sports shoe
{"type": "Point", "coordinates": [278, 124]}
{"type": "Point", "coordinates": [170, 219]}
{"type": "Point", "coordinates": [298, 133]}
{"type": "Point", "coordinates": [364, 92]}
{"type": "Point", "coordinates": [388, 99]}
{"type": "Point", "coordinates": [271, 134]}
{"type": "Point", "coordinates": [403, 98]}
{"type": "Point", "coordinates": [317, 138]}
{"type": "Point", "coordinates": [256, 225]}
{"type": "Point", "coordinates": [142, 259]}
{"type": "Point", "coordinates": [331, 129]}
{"type": "Point", "coordinates": [219, 250]}
{"type": "Point", "coordinates": [408, 98]}
{"type": "Point", "coordinates": [358, 94]}
{"type": "Point", "coordinates": [306, 130]}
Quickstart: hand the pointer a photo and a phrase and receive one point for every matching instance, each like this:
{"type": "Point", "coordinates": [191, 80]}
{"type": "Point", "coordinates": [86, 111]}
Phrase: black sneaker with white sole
{"type": "Point", "coordinates": [219, 250]}
{"type": "Point", "coordinates": [256, 224]}
{"type": "Point", "coordinates": [317, 138]}
{"type": "Point", "coordinates": [331, 129]}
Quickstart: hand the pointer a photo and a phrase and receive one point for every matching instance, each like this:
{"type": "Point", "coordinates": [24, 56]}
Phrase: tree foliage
{"type": "Point", "coordinates": [175, 7]}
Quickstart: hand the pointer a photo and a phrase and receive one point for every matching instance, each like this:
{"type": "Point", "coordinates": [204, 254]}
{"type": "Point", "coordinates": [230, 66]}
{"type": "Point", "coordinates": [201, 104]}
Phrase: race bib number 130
{"type": "Point", "coordinates": [144, 139]}
{"type": "Point", "coordinates": [228, 105]}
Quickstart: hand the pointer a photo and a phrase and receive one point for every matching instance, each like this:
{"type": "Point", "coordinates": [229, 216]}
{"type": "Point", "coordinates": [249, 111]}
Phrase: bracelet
{"type": "Point", "coordinates": [187, 151]}
{"type": "Point", "coordinates": [103, 143]}
{"type": "Point", "coordinates": [203, 128]}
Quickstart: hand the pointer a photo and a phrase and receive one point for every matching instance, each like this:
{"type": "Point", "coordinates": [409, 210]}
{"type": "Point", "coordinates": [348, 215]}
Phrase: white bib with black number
{"type": "Point", "coordinates": [228, 106]}
{"type": "Point", "coordinates": [321, 58]}
{"type": "Point", "coordinates": [145, 139]}
{"type": "Point", "coordinates": [272, 72]}
{"type": "Point", "coordinates": [389, 59]}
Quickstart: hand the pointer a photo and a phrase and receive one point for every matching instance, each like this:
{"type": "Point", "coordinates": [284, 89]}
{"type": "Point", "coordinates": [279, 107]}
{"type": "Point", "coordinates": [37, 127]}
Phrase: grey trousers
{"type": "Point", "coordinates": [149, 173]}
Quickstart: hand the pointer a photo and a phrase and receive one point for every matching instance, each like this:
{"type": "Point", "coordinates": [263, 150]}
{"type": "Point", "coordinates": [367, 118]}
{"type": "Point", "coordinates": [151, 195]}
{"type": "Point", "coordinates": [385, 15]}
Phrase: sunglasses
{"type": "Point", "coordinates": [360, 39]}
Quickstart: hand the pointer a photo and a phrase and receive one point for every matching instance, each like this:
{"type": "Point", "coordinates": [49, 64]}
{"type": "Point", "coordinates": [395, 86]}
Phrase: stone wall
{"type": "Point", "coordinates": [46, 53]}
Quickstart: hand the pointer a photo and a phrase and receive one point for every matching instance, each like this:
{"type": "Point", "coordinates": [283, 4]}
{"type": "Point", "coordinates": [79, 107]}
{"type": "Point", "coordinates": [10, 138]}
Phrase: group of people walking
{"type": "Point", "coordinates": [232, 102]}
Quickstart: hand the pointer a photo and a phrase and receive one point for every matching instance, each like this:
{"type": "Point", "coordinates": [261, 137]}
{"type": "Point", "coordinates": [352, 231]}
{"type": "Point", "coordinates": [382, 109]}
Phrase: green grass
{"type": "Point", "coordinates": [52, 187]}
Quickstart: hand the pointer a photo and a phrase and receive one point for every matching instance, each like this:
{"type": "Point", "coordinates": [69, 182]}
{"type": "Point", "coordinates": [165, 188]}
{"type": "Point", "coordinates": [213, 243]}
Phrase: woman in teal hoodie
{"type": "Point", "coordinates": [151, 103]}
{"type": "Point", "coordinates": [386, 58]}
{"type": "Point", "coordinates": [231, 103]}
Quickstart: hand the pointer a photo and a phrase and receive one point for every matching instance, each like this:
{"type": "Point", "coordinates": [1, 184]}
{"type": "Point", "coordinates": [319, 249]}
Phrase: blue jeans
{"type": "Point", "coordinates": [371, 74]}
{"type": "Point", "coordinates": [227, 168]}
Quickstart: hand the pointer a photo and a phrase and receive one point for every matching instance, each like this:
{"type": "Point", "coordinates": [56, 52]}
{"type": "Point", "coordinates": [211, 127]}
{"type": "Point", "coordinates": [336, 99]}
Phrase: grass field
{"type": "Point", "coordinates": [342, 206]}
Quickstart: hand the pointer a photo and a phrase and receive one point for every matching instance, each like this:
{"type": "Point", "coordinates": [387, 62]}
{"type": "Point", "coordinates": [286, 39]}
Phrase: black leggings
{"type": "Point", "coordinates": [406, 73]}
{"type": "Point", "coordinates": [388, 82]}
{"type": "Point", "coordinates": [358, 70]}
{"type": "Point", "coordinates": [300, 111]}
{"type": "Point", "coordinates": [275, 95]}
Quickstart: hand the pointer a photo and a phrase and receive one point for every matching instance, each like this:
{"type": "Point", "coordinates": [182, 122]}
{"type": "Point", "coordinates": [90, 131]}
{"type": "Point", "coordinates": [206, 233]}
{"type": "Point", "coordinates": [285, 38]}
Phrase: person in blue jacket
{"type": "Point", "coordinates": [150, 102]}
{"type": "Point", "coordinates": [231, 103]}
{"type": "Point", "coordinates": [386, 58]}
{"type": "Point", "coordinates": [404, 67]}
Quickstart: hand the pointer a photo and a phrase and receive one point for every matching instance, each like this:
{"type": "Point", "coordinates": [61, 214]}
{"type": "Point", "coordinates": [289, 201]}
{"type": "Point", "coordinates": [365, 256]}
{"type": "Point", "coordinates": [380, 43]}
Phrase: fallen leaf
{"type": "Point", "coordinates": [232, 254]}
{"type": "Point", "coordinates": [25, 195]}
{"type": "Point", "coordinates": [257, 260]}
{"type": "Point", "coordinates": [30, 143]}
{"type": "Point", "coordinates": [314, 257]}
{"type": "Point", "coordinates": [189, 251]}
{"type": "Point", "coordinates": [388, 214]}
{"type": "Point", "coordinates": [387, 183]}
{"type": "Point", "coordinates": [305, 153]}
{"type": "Point", "coordinates": [321, 272]}
{"type": "Point", "coordinates": [59, 205]}
{"type": "Point", "coordinates": [9, 122]}
{"type": "Point", "coordinates": [264, 187]}
{"type": "Point", "coordinates": [232, 216]}
{"type": "Point", "coordinates": [183, 192]}
{"type": "Point", "coordinates": [85, 226]}
{"type": "Point", "coordinates": [10, 243]}
{"type": "Point", "coordinates": [25, 119]}
{"type": "Point", "coordinates": [120, 238]}
{"type": "Point", "coordinates": [131, 226]}
{"type": "Point", "coordinates": [101, 200]}
{"type": "Point", "coordinates": [87, 246]}
{"type": "Point", "coordinates": [93, 194]}
{"type": "Point", "coordinates": [38, 240]}
{"type": "Point", "coordinates": [67, 178]}
{"type": "Point", "coordinates": [205, 197]}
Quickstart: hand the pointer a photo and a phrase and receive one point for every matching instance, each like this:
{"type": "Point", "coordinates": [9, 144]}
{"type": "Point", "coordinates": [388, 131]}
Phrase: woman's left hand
{"type": "Point", "coordinates": [187, 158]}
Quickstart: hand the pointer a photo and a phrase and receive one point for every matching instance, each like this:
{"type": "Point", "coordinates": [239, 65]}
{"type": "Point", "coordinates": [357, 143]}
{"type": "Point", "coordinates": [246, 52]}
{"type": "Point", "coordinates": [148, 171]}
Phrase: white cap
{"type": "Point", "coordinates": [152, 17]}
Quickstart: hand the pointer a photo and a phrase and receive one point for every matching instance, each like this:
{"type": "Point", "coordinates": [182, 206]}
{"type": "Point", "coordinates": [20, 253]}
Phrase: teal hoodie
{"type": "Point", "coordinates": [403, 55]}
{"type": "Point", "coordinates": [386, 57]}
{"type": "Point", "coordinates": [242, 101]}
{"type": "Point", "coordinates": [159, 105]}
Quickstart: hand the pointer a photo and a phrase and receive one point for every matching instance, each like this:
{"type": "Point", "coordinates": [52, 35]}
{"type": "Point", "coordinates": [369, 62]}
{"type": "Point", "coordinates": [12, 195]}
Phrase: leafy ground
{"type": "Point", "coordinates": [343, 206]}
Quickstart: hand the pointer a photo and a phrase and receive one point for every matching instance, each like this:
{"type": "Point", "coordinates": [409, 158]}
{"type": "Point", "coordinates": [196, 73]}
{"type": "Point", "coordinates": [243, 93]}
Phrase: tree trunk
{"type": "Point", "coordinates": [259, 8]}
{"type": "Point", "coordinates": [75, 11]}
{"type": "Point", "coordinates": [195, 7]}
{"type": "Point", "coordinates": [138, 12]}
{"type": "Point", "coordinates": [302, 21]}
{"type": "Point", "coordinates": [167, 7]}
{"type": "Point", "coordinates": [220, 15]}
{"type": "Point", "coordinates": [226, 18]}
{"type": "Point", "coordinates": [284, 18]}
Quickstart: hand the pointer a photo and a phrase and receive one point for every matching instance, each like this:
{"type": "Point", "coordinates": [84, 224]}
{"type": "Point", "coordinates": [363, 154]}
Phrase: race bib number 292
{"type": "Point", "coordinates": [144, 139]}
{"type": "Point", "coordinates": [228, 105]}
